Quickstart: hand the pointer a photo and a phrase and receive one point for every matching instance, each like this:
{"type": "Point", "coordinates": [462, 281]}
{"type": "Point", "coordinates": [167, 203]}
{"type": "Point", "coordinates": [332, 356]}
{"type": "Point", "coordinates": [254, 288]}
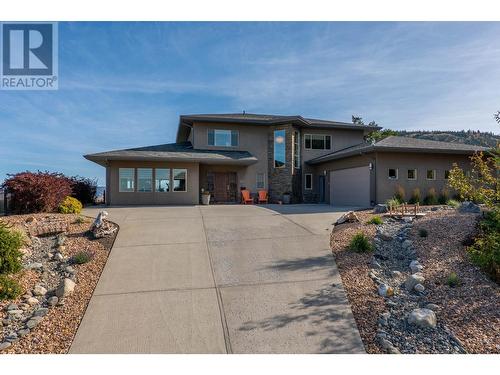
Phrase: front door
{"type": "Point", "coordinates": [224, 188]}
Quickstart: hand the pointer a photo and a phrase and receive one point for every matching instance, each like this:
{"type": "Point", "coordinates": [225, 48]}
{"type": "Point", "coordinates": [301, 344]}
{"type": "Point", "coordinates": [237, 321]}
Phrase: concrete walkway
{"type": "Point", "coordinates": [220, 279]}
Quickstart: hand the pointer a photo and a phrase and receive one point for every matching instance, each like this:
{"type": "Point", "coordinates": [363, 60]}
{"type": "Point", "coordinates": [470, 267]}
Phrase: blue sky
{"type": "Point", "coordinates": [125, 84]}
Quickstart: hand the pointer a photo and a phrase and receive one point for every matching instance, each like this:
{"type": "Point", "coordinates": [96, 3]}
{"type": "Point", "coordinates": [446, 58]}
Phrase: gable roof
{"type": "Point", "coordinates": [401, 144]}
{"type": "Point", "coordinates": [174, 152]}
{"type": "Point", "coordinates": [263, 119]}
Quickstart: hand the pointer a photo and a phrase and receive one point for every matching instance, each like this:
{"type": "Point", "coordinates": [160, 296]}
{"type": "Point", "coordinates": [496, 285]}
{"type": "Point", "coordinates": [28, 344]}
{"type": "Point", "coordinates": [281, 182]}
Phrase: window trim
{"type": "Point", "coordinates": [173, 181]}
{"type": "Point", "coordinates": [169, 181]}
{"type": "Point", "coordinates": [416, 174]}
{"type": "Point", "coordinates": [133, 181]}
{"type": "Point", "coordinates": [393, 178]}
{"type": "Point", "coordinates": [311, 141]}
{"type": "Point", "coordinates": [263, 181]}
{"type": "Point", "coordinates": [305, 181]}
{"type": "Point", "coordinates": [433, 175]}
{"type": "Point", "coordinates": [230, 137]}
{"type": "Point", "coordinates": [274, 148]}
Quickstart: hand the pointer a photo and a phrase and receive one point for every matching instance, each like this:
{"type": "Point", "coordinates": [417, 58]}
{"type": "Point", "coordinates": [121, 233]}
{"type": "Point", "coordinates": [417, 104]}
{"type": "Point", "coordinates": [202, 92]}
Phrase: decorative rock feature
{"type": "Point", "coordinates": [424, 318]}
{"type": "Point", "coordinates": [380, 209]}
{"type": "Point", "coordinates": [469, 207]}
{"type": "Point", "coordinates": [413, 280]}
{"type": "Point", "coordinates": [66, 287]}
{"type": "Point", "coordinates": [39, 290]}
{"type": "Point", "coordinates": [419, 288]}
{"type": "Point", "coordinates": [348, 217]}
{"type": "Point", "coordinates": [52, 301]}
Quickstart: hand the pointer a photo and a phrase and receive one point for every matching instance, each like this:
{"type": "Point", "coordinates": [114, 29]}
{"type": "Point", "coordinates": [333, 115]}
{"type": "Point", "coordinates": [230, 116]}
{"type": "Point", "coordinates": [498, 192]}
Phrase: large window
{"type": "Point", "coordinates": [224, 138]}
{"type": "Point", "coordinates": [180, 179]}
{"type": "Point", "coordinates": [279, 149]}
{"type": "Point", "coordinates": [162, 180]}
{"type": "Point", "coordinates": [296, 150]}
{"type": "Point", "coordinates": [261, 181]}
{"type": "Point", "coordinates": [127, 177]}
{"type": "Point", "coordinates": [309, 181]}
{"type": "Point", "coordinates": [144, 180]}
{"type": "Point", "coordinates": [317, 142]}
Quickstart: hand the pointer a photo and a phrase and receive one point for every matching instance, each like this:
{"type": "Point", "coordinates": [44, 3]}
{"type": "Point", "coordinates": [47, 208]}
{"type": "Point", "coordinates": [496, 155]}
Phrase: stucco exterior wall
{"type": "Point", "coordinates": [420, 161]}
{"type": "Point", "coordinates": [252, 138]}
{"type": "Point", "coordinates": [115, 197]}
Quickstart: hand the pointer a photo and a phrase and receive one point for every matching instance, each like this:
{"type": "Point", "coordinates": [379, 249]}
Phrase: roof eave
{"type": "Point", "coordinates": [103, 160]}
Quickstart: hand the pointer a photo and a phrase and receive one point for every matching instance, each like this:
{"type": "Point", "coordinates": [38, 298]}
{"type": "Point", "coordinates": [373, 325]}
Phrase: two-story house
{"type": "Point", "coordinates": [312, 160]}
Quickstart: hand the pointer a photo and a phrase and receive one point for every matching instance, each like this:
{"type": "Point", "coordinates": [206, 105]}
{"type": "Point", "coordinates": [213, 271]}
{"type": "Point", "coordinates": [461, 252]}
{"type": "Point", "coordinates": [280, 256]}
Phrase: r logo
{"type": "Point", "coordinates": [27, 49]}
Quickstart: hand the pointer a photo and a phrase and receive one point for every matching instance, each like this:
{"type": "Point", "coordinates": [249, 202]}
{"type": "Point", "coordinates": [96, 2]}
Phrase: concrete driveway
{"type": "Point", "coordinates": [220, 279]}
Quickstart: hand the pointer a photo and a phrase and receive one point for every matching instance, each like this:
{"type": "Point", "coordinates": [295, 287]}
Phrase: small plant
{"type": "Point", "coordinates": [416, 196]}
{"type": "Point", "coordinates": [444, 196]}
{"type": "Point", "coordinates": [80, 220]}
{"type": "Point", "coordinates": [377, 220]}
{"type": "Point", "coordinates": [10, 243]}
{"type": "Point", "coordinates": [360, 243]}
{"type": "Point", "coordinates": [9, 288]}
{"type": "Point", "coordinates": [453, 203]}
{"type": "Point", "coordinates": [82, 257]}
{"type": "Point", "coordinates": [70, 205]}
{"type": "Point", "coordinates": [453, 280]}
{"type": "Point", "coordinates": [423, 232]}
{"type": "Point", "coordinates": [393, 202]}
{"type": "Point", "coordinates": [431, 198]}
{"type": "Point", "coordinates": [399, 194]}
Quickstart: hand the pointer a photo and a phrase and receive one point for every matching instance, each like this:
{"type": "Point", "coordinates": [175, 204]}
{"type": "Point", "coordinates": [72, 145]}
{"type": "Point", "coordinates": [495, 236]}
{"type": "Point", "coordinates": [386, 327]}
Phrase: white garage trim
{"type": "Point", "coordinates": [350, 187]}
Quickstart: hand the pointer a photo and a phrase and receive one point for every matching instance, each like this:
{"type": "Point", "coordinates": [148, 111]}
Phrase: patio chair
{"type": "Point", "coordinates": [263, 196]}
{"type": "Point", "coordinates": [245, 197]}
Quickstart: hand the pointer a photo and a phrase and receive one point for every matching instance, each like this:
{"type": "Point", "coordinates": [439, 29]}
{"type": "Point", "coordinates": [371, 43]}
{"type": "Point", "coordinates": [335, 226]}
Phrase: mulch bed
{"type": "Point", "coordinates": [56, 331]}
{"type": "Point", "coordinates": [366, 304]}
{"type": "Point", "coordinates": [471, 310]}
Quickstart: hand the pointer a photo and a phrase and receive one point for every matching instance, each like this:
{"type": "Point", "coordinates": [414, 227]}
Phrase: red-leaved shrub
{"type": "Point", "coordinates": [37, 192]}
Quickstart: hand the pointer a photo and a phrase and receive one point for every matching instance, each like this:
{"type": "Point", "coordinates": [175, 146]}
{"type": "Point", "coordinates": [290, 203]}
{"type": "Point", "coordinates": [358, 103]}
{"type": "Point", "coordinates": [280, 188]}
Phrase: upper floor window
{"type": "Point", "coordinates": [412, 174]}
{"type": "Point", "coordinates": [144, 180]}
{"type": "Point", "coordinates": [317, 142]}
{"type": "Point", "coordinates": [279, 149]}
{"type": "Point", "coordinates": [296, 150]}
{"type": "Point", "coordinates": [126, 177]}
{"type": "Point", "coordinates": [224, 138]}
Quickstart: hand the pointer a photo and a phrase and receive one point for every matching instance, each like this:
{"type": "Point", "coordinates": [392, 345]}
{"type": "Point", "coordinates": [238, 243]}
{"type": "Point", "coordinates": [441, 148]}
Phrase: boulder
{"type": "Point", "coordinates": [348, 217]}
{"type": "Point", "coordinates": [380, 209]}
{"type": "Point", "coordinates": [412, 280]}
{"type": "Point", "coordinates": [65, 288]}
{"type": "Point", "coordinates": [423, 318]}
{"type": "Point", "coordinates": [39, 290]}
{"type": "Point", "coordinates": [469, 207]}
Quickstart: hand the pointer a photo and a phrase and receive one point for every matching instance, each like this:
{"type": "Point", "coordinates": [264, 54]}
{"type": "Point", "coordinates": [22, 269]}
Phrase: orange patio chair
{"type": "Point", "coordinates": [245, 197]}
{"type": "Point", "coordinates": [263, 196]}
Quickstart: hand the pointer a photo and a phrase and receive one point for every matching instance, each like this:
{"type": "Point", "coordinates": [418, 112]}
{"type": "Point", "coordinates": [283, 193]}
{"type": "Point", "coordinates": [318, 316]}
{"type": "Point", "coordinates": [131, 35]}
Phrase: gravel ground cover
{"type": "Point", "coordinates": [45, 318]}
{"type": "Point", "coordinates": [396, 315]}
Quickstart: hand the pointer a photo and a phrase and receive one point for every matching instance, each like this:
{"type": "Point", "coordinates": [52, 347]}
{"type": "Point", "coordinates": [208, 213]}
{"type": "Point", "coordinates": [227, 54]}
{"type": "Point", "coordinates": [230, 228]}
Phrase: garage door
{"type": "Point", "coordinates": [350, 187]}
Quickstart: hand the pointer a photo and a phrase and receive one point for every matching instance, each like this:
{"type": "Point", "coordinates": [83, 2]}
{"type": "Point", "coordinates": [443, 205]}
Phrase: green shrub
{"type": "Point", "coordinates": [9, 288]}
{"type": "Point", "coordinates": [70, 205]}
{"type": "Point", "coordinates": [423, 232]}
{"type": "Point", "coordinates": [80, 220]}
{"type": "Point", "coordinates": [82, 257]}
{"type": "Point", "coordinates": [360, 243]}
{"type": "Point", "coordinates": [431, 198]}
{"type": "Point", "coordinates": [416, 197]}
{"type": "Point", "coordinates": [400, 194]}
{"type": "Point", "coordinates": [453, 203]}
{"type": "Point", "coordinates": [453, 280]}
{"type": "Point", "coordinates": [10, 243]}
{"type": "Point", "coordinates": [375, 220]}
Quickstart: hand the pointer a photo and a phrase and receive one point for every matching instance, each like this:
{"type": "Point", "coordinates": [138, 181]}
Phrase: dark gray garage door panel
{"type": "Point", "coordinates": [350, 187]}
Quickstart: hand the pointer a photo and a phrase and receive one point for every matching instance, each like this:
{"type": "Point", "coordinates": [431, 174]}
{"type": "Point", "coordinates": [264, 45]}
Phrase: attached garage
{"type": "Point", "coordinates": [350, 187]}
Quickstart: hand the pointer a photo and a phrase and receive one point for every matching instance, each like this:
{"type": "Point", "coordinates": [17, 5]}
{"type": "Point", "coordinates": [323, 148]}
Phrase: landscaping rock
{"type": "Point", "coordinates": [39, 290]}
{"type": "Point", "coordinates": [66, 287]}
{"type": "Point", "coordinates": [396, 273]}
{"type": "Point", "coordinates": [35, 266]}
{"type": "Point", "coordinates": [33, 322]}
{"type": "Point", "coordinates": [432, 306]}
{"type": "Point", "coordinates": [415, 266]}
{"type": "Point", "coordinates": [58, 256]}
{"type": "Point", "coordinates": [419, 288]}
{"type": "Point", "coordinates": [42, 311]}
{"type": "Point", "coordinates": [12, 337]}
{"type": "Point", "coordinates": [70, 270]}
{"type": "Point", "coordinates": [4, 345]}
{"type": "Point", "coordinates": [14, 312]}
{"type": "Point", "coordinates": [52, 301]}
{"type": "Point", "coordinates": [380, 209]}
{"type": "Point", "coordinates": [424, 318]}
{"type": "Point", "coordinates": [413, 280]}
{"type": "Point", "coordinates": [469, 207]}
{"type": "Point", "coordinates": [348, 217]}
{"type": "Point", "coordinates": [23, 332]}
{"type": "Point", "coordinates": [385, 291]}
{"type": "Point", "coordinates": [383, 320]}
{"type": "Point", "coordinates": [406, 244]}
{"type": "Point", "coordinates": [385, 236]}
{"type": "Point", "coordinates": [12, 306]}
{"type": "Point", "coordinates": [32, 301]}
